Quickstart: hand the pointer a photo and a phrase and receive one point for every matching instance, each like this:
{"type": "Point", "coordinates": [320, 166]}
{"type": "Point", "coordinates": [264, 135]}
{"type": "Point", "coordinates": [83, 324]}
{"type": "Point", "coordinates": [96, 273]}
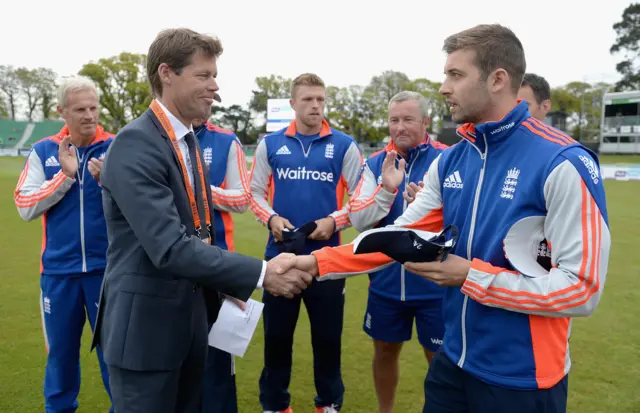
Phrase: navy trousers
{"type": "Point", "coordinates": [324, 301]}
{"type": "Point", "coordinates": [66, 302]}
{"type": "Point", "coordinates": [449, 389]}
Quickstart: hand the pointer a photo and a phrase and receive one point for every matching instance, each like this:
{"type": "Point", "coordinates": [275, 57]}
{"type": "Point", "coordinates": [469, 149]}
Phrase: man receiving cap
{"type": "Point", "coordinates": [507, 321]}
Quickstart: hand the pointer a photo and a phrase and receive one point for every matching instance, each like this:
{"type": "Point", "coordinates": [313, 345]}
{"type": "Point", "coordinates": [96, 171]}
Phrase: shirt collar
{"type": "Point", "coordinates": [178, 127]}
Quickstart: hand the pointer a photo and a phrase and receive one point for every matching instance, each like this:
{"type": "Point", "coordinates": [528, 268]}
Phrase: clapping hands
{"type": "Point", "coordinates": [95, 165]}
{"type": "Point", "coordinates": [288, 275]}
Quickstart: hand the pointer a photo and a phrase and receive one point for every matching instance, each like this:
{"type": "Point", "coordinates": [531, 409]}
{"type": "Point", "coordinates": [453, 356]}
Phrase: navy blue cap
{"type": "Point", "coordinates": [293, 241]}
{"type": "Point", "coordinates": [407, 245]}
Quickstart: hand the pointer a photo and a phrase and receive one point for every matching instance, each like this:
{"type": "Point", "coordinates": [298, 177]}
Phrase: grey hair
{"type": "Point", "coordinates": [410, 95]}
{"type": "Point", "coordinates": [73, 84]}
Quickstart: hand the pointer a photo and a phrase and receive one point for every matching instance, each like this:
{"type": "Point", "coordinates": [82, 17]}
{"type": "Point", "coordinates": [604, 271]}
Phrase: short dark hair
{"type": "Point", "coordinates": [176, 48]}
{"type": "Point", "coordinates": [539, 85]}
{"type": "Point", "coordinates": [495, 47]}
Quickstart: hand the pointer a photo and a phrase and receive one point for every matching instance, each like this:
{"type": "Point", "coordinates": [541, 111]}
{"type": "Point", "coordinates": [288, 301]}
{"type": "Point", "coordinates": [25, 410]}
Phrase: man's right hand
{"type": "Point", "coordinates": [67, 157]}
{"type": "Point", "coordinates": [392, 176]}
{"type": "Point", "coordinates": [277, 225]}
{"type": "Point", "coordinates": [283, 279]}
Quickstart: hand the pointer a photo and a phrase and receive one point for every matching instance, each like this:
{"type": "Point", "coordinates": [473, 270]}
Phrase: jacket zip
{"type": "Point", "coordinates": [404, 208]}
{"type": "Point", "coordinates": [474, 213]}
{"type": "Point", "coordinates": [81, 182]}
{"type": "Point", "coordinates": [81, 171]}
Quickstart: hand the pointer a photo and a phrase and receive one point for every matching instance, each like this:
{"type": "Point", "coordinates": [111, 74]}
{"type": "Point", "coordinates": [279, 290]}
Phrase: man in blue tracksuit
{"type": "Point", "coordinates": [59, 185]}
{"type": "Point", "coordinates": [533, 246]}
{"type": "Point", "coordinates": [396, 296]}
{"type": "Point", "coordinates": [306, 167]}
{"type": "Point", "coordinates": [225, 161]}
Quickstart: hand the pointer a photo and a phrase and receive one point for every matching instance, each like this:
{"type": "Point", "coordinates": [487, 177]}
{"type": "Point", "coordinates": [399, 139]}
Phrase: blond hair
{"type": "Point", "coordinates": [73, 84]}
{"type": "Point", "coordinates": [305, 79]}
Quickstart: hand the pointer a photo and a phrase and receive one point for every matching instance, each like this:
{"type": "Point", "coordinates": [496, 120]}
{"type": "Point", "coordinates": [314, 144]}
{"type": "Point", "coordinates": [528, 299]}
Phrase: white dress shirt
{"type": "Point", "coordinates": [181, 131]}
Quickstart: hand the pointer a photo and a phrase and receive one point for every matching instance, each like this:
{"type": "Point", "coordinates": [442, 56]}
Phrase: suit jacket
{"type": "Point", "coordinates": [155, 262]}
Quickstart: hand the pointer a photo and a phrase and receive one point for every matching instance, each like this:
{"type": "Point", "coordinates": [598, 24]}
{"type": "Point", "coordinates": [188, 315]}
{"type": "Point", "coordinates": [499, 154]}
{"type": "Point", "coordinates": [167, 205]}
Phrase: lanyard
{"type": "Point", "coordinates": [164, 121]}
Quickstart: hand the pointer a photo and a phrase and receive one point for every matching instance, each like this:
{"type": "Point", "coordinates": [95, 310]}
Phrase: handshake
{"type": "Point", "coordinates": [287, 274]}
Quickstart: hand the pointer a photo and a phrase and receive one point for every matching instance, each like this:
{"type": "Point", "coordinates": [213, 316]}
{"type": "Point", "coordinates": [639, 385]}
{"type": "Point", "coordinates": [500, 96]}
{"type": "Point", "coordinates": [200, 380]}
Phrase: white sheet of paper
{"type": "Point", "coordinates": [234, 328]}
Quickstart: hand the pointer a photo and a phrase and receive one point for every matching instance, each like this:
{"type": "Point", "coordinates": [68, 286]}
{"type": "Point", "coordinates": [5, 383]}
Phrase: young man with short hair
{"type": "Point", "coordinates": [533, 246]}
{"type": "Point", "coordinates": [306, 168]}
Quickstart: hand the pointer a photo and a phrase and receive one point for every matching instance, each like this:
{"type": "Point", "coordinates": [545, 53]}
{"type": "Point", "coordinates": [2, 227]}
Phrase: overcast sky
{"type": "Point", "coordinates": [345, 42]}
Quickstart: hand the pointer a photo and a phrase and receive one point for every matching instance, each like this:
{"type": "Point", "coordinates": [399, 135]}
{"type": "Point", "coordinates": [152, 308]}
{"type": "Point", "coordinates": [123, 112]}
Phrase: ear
{"type": "Point", "coordinates": [546, 105]}
{"type": "Point", "coordinates": [165, 73]}
{"type": "Point", "coordinates": [291, 102]}
{"type": "Point", "coordinates": [60, 111]}
{"type": "Point", "coordinates": [499, 80]}
{"type": "Point", "coordinates": [427, 122]}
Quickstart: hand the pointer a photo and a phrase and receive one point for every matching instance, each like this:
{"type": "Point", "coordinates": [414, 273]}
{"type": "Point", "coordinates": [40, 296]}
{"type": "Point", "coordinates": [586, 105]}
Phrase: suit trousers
{"type": "Point", "coordinates": [324, 301]}
{"type": "Point", "coordinates": [174, 391]}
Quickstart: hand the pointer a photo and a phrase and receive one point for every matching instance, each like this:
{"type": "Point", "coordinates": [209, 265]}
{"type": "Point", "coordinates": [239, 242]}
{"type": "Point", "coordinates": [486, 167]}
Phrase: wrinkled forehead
{"type": "Point", "coordinates": [409, 107]}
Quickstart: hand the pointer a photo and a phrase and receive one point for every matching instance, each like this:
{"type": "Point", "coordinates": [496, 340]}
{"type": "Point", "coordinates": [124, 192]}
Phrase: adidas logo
{"type": "Point", "coordinates": [52, 161]}
{"type": "Point", "coordinates": [453, 181]}
{"type": "Point", "coordinates": [591, 167]}
{"type": "Point", "coordinates": [283, 150]}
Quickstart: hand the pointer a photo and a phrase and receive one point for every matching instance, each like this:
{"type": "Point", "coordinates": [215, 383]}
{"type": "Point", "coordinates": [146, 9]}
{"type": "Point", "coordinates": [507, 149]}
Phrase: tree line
{"type": "Point", "coordinates": [359, 110]}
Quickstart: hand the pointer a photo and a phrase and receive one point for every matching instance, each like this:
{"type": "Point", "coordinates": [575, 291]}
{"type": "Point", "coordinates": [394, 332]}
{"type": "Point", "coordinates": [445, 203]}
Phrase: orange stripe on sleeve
{"type": "Point", "coordinates": [261, 213]}
{"type": "Point", "coordinates": [553, 132]}
{"type": "Point", "coordinates": [573, 296]}
{"type": "Point", "coordinates": [543, 135]}
{"type": "Point", "coordinates": [28, 201]}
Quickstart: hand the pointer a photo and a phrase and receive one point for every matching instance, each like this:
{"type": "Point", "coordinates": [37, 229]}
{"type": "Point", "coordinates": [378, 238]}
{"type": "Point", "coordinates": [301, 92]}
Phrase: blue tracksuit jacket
{"type": "Point", "coordinates": [520, 192]}
{"type": "Point", "coordinates": [305, 177]}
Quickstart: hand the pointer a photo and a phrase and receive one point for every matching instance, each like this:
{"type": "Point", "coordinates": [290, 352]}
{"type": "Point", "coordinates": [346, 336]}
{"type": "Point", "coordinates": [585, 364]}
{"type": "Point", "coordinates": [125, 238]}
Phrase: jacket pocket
{"type": "Point", "coordinates": [152, 286]}
{"type": "Point", "coordinates": [159, 324]}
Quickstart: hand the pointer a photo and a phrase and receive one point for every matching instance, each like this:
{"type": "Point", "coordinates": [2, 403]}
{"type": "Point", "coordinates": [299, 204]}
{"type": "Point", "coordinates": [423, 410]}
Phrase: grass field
{"type": "Point", "coordinates": [605, 347]}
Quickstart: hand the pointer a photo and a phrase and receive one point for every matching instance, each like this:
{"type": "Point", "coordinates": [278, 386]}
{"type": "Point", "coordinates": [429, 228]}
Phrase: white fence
{"type": "Point", "coordinates": [621, 172]}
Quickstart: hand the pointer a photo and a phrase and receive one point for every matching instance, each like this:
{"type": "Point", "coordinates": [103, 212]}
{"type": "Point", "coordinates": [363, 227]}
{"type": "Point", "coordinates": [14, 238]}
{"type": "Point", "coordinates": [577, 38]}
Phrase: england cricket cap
{"type": "Point", "coordinates": [407, 245]}
{"type": "Point", "coordinates": [293, 241]}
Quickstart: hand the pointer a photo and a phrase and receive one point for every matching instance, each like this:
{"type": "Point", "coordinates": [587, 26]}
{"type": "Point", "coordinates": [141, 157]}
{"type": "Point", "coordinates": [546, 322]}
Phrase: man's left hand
{"type": "Point", "coordinates": [94, 167]}
{"type": "Point", "coordinates": [239, 303]}
{"type": "Point", "coordinates": [452, 272]}
{"type": "Point", "coordinates": [325, 229]}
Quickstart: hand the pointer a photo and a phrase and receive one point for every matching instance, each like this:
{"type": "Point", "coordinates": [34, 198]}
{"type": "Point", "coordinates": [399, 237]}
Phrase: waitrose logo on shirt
{"type": "Point", "coordinates": [304, 174]}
